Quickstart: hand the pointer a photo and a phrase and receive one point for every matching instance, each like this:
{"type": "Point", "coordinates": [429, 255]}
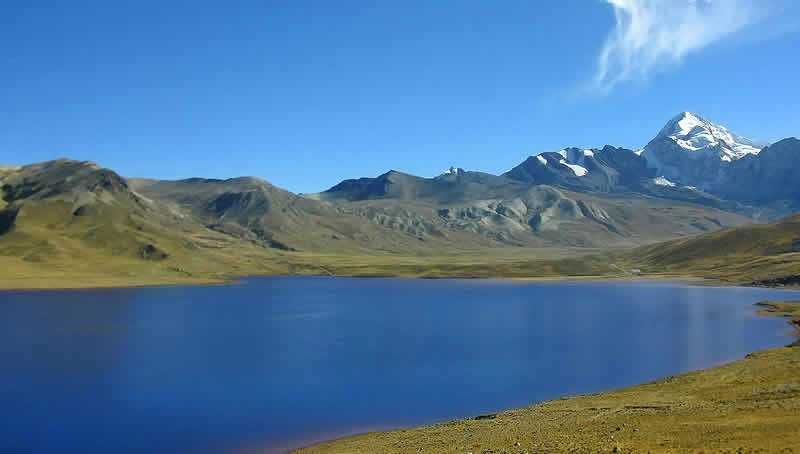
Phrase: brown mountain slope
{"type": "Point", "coordinates": [252, 209]}
{"type": "Point", "coordinates": [520, 214]}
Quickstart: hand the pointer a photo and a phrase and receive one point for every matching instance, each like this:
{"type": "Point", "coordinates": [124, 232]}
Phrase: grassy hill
{"type": "Point", "coordinates": [742, 254]}
{"type": "Point", "coordinates": [74, 224]}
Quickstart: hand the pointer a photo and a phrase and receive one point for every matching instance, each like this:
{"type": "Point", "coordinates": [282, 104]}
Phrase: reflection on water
{"type": "Point", "coordinates": [280, 362]}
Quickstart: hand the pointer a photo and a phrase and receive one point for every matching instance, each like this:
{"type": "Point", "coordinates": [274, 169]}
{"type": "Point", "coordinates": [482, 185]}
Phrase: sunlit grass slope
{"type": "Point", "coordinates": [739, 254]}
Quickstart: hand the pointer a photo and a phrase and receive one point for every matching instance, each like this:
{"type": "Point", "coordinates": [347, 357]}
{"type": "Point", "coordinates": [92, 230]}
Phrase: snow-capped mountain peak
{"type": "Point", "coordinates": [453, 171]}
{"type": "Point", "coordinates": [691, 150]}
{"type": "Point", "coordinates": [694, 133]}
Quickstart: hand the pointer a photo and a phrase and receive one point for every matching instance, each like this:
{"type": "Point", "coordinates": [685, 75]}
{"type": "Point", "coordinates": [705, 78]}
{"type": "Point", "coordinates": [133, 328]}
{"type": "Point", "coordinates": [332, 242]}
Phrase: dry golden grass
{"type": "Point", "coordinates": [740, 254]}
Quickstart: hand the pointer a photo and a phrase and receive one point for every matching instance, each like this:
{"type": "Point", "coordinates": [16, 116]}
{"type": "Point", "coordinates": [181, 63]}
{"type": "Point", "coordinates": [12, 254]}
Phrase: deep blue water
{"type": "Point", "coordinates": [275, 363]}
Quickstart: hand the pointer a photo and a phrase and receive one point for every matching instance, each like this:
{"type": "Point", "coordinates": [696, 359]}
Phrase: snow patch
{"type": "Point", "coordinates": [578, 170]}
{"type": "Point", "coordinates": [588, 153]}
{"type": "Point", "coordinates": [563, 153]}
{"type": "Point", "coordinates": [453, 171]}
{"type": "Point", "coordinates": [542, 159]}
{"type": "Point", "coordinates": [661, 181]}
{"type": "Point", "coordinates": [687, 123]}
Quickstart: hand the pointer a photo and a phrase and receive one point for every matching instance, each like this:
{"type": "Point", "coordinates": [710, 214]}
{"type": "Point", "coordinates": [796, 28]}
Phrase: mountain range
{"type": "Point", "coordinates": [690, 163]}
{"type": "Point", "coordinates": [690, 159]}
{"type": "Point", "coordinates": [693, 177]}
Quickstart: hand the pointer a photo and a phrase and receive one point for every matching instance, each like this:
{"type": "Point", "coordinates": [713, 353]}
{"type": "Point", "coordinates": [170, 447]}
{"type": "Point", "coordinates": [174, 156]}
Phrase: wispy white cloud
{"type": "Point", "coordinates": [651, 35]}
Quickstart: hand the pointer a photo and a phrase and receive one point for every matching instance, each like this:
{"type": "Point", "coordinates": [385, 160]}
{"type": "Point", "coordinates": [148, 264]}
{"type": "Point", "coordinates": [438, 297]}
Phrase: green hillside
{"type": "Point", "coordinates": [743, 254]}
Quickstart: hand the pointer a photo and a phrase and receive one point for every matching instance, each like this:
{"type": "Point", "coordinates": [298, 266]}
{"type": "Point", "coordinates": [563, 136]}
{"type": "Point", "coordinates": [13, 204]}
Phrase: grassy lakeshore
{"type": "Point", "coordinates": [89, 268]}
{"type": "Point", "coordinates": [208, 266]}
{"type": "Point", "coordinates": [216, 260]}
{"type": "Point", "coordinates": [750, 405]}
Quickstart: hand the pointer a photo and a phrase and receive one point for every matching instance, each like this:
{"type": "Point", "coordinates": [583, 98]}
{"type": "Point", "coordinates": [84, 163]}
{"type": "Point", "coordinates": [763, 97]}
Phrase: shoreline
{"type": "Point", "coordinates": [691, 280]}
{"type": "Point", "coordinates": [782, 309]}
{"type": "Point", "coordinates": [645, 408]}
{"type": "Point", "coordinates": [199, 283]}
{"type": "Point", "coordinates": [235, 280]}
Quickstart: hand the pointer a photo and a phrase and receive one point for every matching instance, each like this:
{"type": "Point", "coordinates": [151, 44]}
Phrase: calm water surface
{"type": "Point", "coordinates": [276, 363]}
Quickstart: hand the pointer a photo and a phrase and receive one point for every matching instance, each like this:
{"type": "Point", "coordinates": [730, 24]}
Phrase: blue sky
{"type": "Point", "coordinates": [307, 93]}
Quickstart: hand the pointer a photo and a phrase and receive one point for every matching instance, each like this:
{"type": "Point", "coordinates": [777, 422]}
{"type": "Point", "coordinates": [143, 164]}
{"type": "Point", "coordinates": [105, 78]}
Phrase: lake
{"type": "Point", "coordinates": [277, 363]}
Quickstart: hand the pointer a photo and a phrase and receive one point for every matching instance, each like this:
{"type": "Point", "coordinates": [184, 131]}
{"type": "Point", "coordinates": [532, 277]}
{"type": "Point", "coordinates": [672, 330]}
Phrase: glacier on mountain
{"type": "Point", "coordinates": [578, 170]}
{"type": "Point", "coordinates": [691, 150]}
{"type": "Point", "coordinates": [694, 133]}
